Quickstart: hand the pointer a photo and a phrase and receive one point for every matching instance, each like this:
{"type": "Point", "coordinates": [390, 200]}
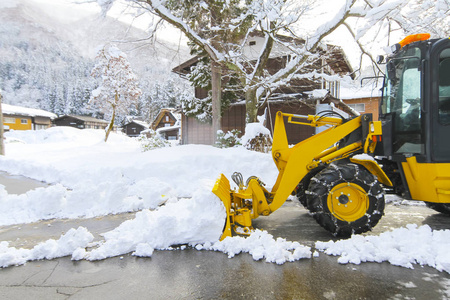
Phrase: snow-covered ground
{"type": "Point", "coordinates": [170, 189]}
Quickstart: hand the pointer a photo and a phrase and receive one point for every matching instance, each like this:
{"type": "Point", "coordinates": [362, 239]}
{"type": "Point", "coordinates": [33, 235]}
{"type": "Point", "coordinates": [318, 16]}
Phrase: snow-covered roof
{"type": "Point", "coordinates": [142, 123]}
{"type": "Point", "coordinates": [8, 109]}
{"type": "Point", "coordinates": [172, 111]}
{"type": "Point", "coordinates": [352, 89]}
{"type": "Point", "coordinates": [348, 93]}
{"type": "Point", "coordinates": [169, 128]}
{"type": "Point", "coordinates": [84, 118]}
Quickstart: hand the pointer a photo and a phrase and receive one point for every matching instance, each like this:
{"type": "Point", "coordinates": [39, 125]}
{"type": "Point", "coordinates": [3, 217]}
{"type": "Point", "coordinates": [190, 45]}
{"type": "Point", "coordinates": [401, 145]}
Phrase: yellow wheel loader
{"type": "Point", "coordinates": [341, 174]}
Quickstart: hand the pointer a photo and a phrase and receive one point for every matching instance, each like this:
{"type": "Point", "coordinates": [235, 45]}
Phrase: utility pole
{"type": "Point", "coordinates": [2, 144]}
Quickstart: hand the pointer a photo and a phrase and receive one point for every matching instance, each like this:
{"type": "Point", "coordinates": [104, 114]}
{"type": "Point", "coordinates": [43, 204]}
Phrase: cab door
{"type": "Point", "coordinates": [440, 102]}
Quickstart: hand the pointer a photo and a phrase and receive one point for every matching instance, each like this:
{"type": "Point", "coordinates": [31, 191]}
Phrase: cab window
{"type": "Point", "coordinates": [444, 87]}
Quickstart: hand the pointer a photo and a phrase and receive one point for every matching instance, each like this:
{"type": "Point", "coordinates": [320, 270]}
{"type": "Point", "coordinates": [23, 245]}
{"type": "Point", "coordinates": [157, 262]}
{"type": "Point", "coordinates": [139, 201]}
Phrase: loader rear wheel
{"type": "Point", "coordinates": [346, 199]}
{"type": "Point", "coordinates": [439, 207]}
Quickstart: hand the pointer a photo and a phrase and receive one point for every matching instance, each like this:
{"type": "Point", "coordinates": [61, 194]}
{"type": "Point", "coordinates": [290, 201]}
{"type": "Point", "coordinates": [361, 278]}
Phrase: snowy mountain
{"type": "Point", "coordinates": [48, 51]}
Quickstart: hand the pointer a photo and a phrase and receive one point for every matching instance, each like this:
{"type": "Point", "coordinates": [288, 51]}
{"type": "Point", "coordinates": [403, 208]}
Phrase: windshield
{"type": "Point", "coordinates": [401, 98]}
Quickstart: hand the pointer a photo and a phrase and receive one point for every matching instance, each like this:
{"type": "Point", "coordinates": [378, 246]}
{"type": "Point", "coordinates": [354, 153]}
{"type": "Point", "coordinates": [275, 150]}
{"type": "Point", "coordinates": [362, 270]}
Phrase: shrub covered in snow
{"type": "Point", "coordinates": [229, 139]}
{"type": "Point", "coordinates": [150, 139]}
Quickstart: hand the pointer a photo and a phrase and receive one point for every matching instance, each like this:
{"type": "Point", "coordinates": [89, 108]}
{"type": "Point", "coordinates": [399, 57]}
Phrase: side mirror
{"type": "Point", "coordinates": [380, 59]}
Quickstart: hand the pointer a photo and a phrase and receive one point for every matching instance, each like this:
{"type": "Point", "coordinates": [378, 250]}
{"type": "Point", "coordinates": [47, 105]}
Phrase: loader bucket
{"type": "Point", "coordinates": [222, 190]}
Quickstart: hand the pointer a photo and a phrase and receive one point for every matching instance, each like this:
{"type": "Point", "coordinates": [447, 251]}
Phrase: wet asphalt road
{"type": "Point", "coordinates": [192, 274]}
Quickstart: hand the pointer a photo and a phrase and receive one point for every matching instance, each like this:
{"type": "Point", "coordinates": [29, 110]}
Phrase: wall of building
{"type": "Point", "coordinates": [367, 105]}
{"type": "Point", "coordinates": [15, 122]}
{"type": "Point", "coordinates": [196, 132]}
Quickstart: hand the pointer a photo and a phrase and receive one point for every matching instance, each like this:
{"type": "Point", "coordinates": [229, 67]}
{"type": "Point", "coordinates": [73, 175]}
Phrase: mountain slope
{"type": "Point", "coordinates": [48, 53]}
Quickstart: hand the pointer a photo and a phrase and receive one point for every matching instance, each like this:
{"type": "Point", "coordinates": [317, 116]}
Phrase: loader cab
{"type": "Point", "coordinates": [415, 106]}
{"type": "Point", "coordinates": [415, 117]}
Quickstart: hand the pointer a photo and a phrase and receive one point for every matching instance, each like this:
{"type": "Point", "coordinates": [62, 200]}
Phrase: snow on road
{"type": "Point", "coordinates": [170, 188]}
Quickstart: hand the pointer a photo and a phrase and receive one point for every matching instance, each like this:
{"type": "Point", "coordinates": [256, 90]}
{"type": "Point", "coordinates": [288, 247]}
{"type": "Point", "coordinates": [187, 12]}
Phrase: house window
{"type": "Point", "coordinates": [23, 121]}
{"type": "Point", "coordinates": [167, 119]}
{"type": "Point", "coordinates": [252, 43]}
{"type": "Point", "coordinates": [10, 120]}
{"type": "Point", "coordinates": [359, 107]}
{"type": "Point", "coordinates": [167, 125]}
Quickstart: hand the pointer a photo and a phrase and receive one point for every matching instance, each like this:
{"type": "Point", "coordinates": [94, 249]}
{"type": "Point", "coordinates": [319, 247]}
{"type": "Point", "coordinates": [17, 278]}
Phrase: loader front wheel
{"type": "Point", "coordinates": [345, 199]}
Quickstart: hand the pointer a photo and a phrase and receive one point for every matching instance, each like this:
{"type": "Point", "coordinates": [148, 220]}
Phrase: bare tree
{"type": "Point", "coordinates": [118, 89]}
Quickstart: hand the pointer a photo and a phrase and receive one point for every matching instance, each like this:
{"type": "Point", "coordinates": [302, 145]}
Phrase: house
{"type": "Point", "coordinates": [81, 122]}
{"type": "Point", "coordinates": [23, 118]}
{"type": "Point", "coordinates": [295, 97]}
{"type": "Point", "coordinates": [135, 127]}
{"type": "Point", "coordinates": [363, 99]}
{"type": "Point", "coordinates": [167, 123]}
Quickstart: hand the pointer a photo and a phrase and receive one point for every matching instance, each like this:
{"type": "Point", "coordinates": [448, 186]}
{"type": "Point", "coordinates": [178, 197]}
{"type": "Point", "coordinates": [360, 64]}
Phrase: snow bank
{"type": "Point", "coordinates": [260, 245]}
{"type": "Point", "coordinates": [199, 219]}
{"type": "Point", "coordinates": [401, 247]}
{"type": "Point", "coordinates": [73, 241]}
{"type": "Point", "coordinates": [93, 178]}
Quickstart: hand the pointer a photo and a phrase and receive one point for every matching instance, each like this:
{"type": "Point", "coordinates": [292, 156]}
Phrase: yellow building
{"type": "Point", "coordinates": [23, 118]}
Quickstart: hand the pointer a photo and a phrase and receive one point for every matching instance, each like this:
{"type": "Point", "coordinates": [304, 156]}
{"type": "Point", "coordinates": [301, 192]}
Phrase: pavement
{"type": "Point", "coordinates": [192, 274]}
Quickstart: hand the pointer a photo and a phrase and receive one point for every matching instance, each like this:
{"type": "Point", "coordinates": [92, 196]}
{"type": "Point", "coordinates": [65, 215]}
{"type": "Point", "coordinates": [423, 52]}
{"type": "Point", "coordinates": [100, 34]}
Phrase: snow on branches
{"type": "Point", "coordinates": [118, 89]}
{"type": "Point", "coordinates": [290, 28]}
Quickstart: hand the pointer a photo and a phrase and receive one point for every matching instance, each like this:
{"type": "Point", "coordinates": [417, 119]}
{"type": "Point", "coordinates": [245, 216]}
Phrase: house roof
{"type": "Point", "coordinates": [141, 123]}
{"type": "Point", "coordinates": [171, 111]}
{"type": "Point", "coordinates": [83, 118]}
{"type": "Point", "coordinates": [25, 111]}
{"type": "Point", "coordinates": [336, 58]}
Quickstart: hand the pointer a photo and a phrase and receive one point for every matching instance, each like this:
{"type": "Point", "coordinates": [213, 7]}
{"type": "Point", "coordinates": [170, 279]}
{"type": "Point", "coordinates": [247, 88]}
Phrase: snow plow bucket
{"type": "Point", "coordinates": [243, 205]}
{"type": "Point", "coordinates": [222, 190]}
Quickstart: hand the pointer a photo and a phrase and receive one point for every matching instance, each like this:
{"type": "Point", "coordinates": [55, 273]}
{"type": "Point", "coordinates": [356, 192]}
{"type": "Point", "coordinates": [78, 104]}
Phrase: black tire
{"type": "Point", "coordinates": [439, 207]}
{"type": "Point", "coordinates": [345, 199]}
{"type": "Point", "coordinates": [302, 187]}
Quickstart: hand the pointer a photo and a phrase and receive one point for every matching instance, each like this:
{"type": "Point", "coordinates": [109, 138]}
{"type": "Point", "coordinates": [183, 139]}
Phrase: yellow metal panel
{"type": "Point", "coordinates": [373, 168]}
{"type": "Point", "coordinates": [222, 190]}
{"type": "Point", "coordinates": [428, 182]}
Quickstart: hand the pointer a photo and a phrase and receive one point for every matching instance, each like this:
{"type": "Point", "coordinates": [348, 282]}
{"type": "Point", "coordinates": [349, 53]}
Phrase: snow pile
{"type": "Point", "coordinates": [199, 219]}
{"type": "Point", "coordinates": [401, 247]}
{"type": "Point", "coordinates": [260, 245]}
{"type": "Point", "coordinates": [73, 241]}
{"type": "Point", "coordinates": [93, 178]}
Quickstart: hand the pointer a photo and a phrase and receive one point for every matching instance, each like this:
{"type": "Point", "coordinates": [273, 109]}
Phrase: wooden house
{"type": "Point", "coordinates": [295, 97]}
{"type": "Point", "coordinates": [81, 122]}
{"type": "Point", "coordinates": [167, 123]}
{"type": "Point", "coordinates": [134, 128]}
{"type": "Point", "coordinates": [23, 118]}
